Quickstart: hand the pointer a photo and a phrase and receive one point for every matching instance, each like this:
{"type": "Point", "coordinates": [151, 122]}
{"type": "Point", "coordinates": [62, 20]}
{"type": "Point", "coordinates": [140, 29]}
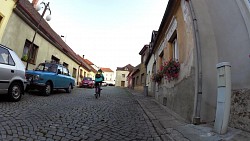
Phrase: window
{"type": "Point", "coordinates": [65, 71]}
{"type": "Point", "coordinates": [175, 50]}
{"type": "Point", "coordinates": [126, 69]}
{"type": "Point", "coordinates": [137, 80]}
{"type": "Point", "coordinates": [81, 76]}
{"type": "Point", "coordinates": [74, 73]}
{"type": "Point", "coordinates": [51, 68]}
{"type": "Point", "coordinates": [161, 58]}
{"type": "Point", "coordinates": [31, 50]}
{"type": "Point", "coordinates": [142, 78]}
{"type": "Point", "coordinates": [65, 64]}
{"type": "Point", "coordinates": [60, 70]}
{"type": "Point", "coordinates": [1, 19]}
{"type": "Point", "coordinates": [123, 75]}
{"type": "Point", "coordinates": [55, 59]}
{"type": "Point", "coordinates": [110, 77]}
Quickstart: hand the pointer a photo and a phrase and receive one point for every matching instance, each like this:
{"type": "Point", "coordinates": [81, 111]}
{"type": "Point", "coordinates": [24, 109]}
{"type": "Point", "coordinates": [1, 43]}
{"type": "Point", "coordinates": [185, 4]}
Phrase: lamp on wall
{"type": "Point", "coordinates": [48, 18]}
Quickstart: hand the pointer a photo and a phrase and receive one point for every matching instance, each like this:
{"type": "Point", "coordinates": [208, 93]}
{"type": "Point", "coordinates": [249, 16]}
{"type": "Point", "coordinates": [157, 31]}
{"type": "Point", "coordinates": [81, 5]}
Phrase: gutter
{"type": "Point", "coordinates": [198, 84]}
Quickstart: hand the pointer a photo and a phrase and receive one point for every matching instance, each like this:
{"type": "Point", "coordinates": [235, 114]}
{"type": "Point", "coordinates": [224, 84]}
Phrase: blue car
{"type": "Point", "coordinates": [49, 76]}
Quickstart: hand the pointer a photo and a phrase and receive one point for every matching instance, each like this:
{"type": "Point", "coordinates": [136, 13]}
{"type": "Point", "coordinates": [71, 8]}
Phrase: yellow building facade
{"type": "Point", "coordinates": [6, 8]}
{"type": "Point", "coordinates": [18, 28]}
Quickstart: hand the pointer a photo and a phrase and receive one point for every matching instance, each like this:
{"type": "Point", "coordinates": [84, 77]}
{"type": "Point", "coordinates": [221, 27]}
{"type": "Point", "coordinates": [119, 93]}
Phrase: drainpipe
{"type": "Point", "coordinates": [198, 95]}
{"type": "Point", "coordinates": [78, 75]}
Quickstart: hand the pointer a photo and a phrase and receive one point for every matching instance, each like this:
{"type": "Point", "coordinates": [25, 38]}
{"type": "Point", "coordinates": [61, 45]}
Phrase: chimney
{"type": "Point", "coordinates": [34, 3]}
{"type": "Point", "coordinates": [83, 56]}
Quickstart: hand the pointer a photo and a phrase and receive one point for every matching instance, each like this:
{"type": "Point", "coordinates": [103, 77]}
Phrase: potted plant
{"type": "Point", "coordinates": [24, 58]}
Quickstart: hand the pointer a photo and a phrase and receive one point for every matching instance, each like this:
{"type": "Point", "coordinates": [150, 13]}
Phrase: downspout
{"type": "Point", "coordinates": [77, 83]}
{"type": "Point", "coordinates": [198, 95]}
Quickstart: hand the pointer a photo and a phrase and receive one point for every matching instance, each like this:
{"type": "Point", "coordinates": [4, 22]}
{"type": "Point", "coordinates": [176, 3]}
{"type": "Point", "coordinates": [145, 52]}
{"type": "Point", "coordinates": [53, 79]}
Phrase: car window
{"type": "Point", "coordinates": [47, 67]}
{"type": "Point", "coordinates": [88, 78]}
{"type": "Point", "coordinates": [40, 67]}
{"type": "Point", "coordinates": [5, 57]}
{"type": "Point", "coordinates": [52, 68]}
{"type": "Point", "coordinates": [65, 71]}
{"type": "Point", "coordinates": [2, 61]}
{"type": "Point", "coordinates": [59, 70]}
{"type": "Point", "coordinates": [10, 60]}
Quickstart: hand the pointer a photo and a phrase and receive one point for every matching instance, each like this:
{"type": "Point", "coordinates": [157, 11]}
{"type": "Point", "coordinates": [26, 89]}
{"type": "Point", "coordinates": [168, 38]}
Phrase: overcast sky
{"type": "Point", "coordinates": [110, 33]}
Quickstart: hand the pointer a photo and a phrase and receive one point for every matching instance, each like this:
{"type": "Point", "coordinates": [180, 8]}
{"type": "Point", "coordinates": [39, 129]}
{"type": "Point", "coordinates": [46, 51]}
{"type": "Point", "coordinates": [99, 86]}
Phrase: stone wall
{"type": "Point", "coordinates": [240, 109]}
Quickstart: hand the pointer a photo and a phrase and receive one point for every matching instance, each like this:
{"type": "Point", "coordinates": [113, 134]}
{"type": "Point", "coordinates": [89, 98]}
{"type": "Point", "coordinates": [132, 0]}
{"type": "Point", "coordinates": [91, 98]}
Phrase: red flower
{"type": "Point", "coordinates": [171, 69]}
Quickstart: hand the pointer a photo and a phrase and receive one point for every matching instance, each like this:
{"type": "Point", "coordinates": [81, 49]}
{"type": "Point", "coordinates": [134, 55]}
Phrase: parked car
{"type": "Point", "coordinates": [49, 76]}
{"type": "Point", "coordinates": [87, 82]}
{"type": "Point", "coordinates": [12, 74]}
{"type": "Point", "coordinates": [104, 84]}
{"type": "Point", "coordinates": [111, 84]}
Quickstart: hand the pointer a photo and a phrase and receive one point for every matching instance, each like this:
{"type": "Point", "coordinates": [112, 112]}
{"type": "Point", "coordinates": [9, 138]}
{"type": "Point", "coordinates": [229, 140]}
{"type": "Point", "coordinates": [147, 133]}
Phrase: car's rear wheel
{"type": "Point", "coordinates": [15, 91]}
{"type": "Point", "coordinates": [68, 90]}
{"type": "Point", "coordinates": [48, 89]}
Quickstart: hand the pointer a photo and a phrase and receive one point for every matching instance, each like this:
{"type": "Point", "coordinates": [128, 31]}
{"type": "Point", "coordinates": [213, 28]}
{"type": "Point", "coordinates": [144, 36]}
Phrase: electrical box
{"type": "Point", "coordinates": [221, 77]}
{"type": "Point", "coordinates": [223, 97]}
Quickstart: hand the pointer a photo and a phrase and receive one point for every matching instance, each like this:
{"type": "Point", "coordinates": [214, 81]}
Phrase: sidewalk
{"type": "Point", "coordinates": [171, 127]}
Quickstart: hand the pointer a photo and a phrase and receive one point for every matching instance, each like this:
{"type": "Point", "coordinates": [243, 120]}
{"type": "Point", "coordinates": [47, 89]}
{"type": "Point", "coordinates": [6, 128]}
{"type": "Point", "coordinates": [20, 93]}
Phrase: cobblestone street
{"type": "Point", "coordinates": [116, 115]}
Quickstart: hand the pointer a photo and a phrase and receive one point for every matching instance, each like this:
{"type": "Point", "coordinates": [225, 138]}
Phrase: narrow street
{"type": "Point", "coordinates": [115, 116]}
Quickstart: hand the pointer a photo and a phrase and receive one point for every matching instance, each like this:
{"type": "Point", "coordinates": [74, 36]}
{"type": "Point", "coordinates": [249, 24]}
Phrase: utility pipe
{"type": "Point", "coordinates": [197, 106]}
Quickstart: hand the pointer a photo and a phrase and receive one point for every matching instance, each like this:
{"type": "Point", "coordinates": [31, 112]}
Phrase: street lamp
{"type": "Point", "coordinates": [48, 18]}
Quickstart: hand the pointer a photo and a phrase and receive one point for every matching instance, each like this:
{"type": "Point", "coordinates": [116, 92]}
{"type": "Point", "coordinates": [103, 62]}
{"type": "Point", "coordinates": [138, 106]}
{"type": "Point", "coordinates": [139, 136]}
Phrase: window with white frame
{"type": "Point", "coordinates": [175, 49]}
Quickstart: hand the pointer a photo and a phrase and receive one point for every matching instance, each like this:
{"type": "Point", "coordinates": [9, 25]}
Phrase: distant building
{"type": "Point", "coordinates": [109, 76]}
{"type": "Point", "coordinates": [137, 77]}
{"type": "Point", "coordinates": [121, 75]}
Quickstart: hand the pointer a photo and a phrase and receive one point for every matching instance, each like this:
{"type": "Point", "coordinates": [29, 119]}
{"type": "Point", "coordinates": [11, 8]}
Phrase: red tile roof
{"type": "Point", "coordinates": [88, 62]}
{"type": "Point", "coordinates": [84, 64]}
{"type": "Point", "coordinates": [106, 70]}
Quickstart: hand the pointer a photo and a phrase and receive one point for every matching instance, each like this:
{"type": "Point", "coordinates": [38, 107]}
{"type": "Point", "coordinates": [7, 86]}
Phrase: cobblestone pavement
{"type": "Point", "coordinates": [115, 116]}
